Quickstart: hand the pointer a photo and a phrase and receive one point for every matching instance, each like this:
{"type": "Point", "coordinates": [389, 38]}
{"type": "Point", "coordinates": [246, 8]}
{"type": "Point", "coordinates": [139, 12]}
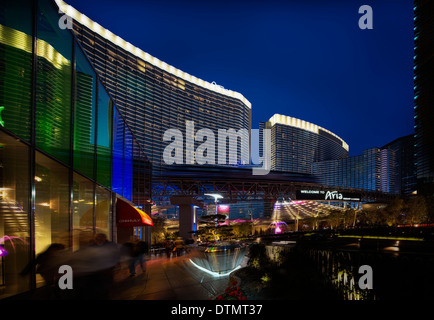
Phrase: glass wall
{"type": "Point", "coordinates": [84, 115]}
{"type": "Point", "coordinates": [54, 79]}
{"type": "Point", "coordinates": [118, 153]}
{"type": "Point", "coordinates": [103, 217]}
{"type": "Point", "coordinates": [14, 206]}
{"type": "Point", "coordinates": [16, 66]}
{"type": "Point", "coordinates": [74, 170]}
{"type": "Point", "coordinates": [51, 203]}
{"type": "Point", "coordinates": [128, 166]}
{"type": "Point", "coordinates": [104, 125]}
{"type": "Point", "coordinates": [82, 210]}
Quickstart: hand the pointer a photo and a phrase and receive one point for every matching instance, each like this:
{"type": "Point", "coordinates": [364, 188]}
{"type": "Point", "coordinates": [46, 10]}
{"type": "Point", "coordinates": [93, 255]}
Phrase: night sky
{"type": "Point", "coordinates": [306, 59]}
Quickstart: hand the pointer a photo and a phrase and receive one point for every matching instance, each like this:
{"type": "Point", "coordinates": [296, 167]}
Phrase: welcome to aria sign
{"type": "Point", "coordinates": [327, 195]}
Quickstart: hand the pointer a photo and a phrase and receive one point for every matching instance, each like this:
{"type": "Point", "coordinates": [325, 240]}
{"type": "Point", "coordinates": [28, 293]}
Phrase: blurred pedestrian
{"type": "Point", "coordinates": [47, 265]}
{"type": "Point", "coordinates": [179, 246]}
{"type": "Point", "coordinates": [135, 250]}
{"type": "Point", "coordinates": [107, 259]}
{"type": "Point", "coordinates": [141, 249]}
{"type": "Point", "coordinates": [168, 247]}
{"type": "Point", "coordinates": [93, 265]}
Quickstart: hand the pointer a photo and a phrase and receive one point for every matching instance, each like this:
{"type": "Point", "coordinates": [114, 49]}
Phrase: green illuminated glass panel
{"type": "Point", "coordinates": [84, 116]}
{"type": "Point", "coordinates": [53, 98]}
{"type": "Point", "coordinates": [104, 138]}
{"type": "Point", "coordinates": [16, 66]}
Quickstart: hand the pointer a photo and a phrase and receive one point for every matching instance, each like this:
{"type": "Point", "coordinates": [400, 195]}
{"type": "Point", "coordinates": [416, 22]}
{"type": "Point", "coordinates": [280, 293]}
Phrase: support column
{"type": "Point", "coordinates": [187, 218]}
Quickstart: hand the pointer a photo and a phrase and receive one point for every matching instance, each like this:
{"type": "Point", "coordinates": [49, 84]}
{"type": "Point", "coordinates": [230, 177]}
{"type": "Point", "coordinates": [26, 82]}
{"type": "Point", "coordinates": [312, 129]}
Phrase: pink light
{"type": "Point", "coordinates": [223, 208]}
{"type": "Point", "coordinates": [277, 230]}
{"type": "Point", "coordinates": [3, 251]}
{"type": "Point", "coordinates": [10, 238]}
{"type": "Point", "coordinates": [298, 202]}
{"type": "Point", "coordinates": [226, 223]}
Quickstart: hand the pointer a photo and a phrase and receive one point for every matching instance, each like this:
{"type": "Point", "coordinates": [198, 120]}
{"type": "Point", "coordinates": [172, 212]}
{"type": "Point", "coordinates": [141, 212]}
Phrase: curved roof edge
{"type": "Point", "coordinates": [301, 124]}
{"type": "Point", "coordinates": [95, 27]}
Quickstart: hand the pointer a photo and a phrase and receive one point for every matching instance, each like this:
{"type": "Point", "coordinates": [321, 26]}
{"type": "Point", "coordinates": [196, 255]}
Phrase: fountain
{"type": "Point", "coordinates": [278, 226]}
{"type": "Point", "coordinates": [219, 258]}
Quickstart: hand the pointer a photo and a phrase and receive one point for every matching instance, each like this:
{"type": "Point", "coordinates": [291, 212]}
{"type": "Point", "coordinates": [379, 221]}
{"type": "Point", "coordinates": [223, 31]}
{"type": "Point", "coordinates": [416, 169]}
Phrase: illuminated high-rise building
{"type": "Point", "coordinates": [424, 94]}
{"type": "Point", "coordinates": [405, 170]}
{"type": "Point", "coordinates": [296, 144]}
{"type": "Point", "coordinates": [154, 96]}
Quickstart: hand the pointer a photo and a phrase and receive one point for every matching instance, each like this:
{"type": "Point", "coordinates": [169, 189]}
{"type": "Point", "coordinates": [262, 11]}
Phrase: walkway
{"type": "Point", "coordinates": [174, 278]}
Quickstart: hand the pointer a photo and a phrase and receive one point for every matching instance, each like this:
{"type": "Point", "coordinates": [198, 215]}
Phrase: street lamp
{"type": "Point", "coordinates": [216, 196]}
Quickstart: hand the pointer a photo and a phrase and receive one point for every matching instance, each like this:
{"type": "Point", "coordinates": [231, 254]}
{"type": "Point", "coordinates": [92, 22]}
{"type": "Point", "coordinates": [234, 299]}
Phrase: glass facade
{"type": "Point", "coordinates": [374, 170]}
{"type": "Point", "coordinates": [405, 182]}
{"type": "Point", "coordinates": [388, 169]}
{"type": "Point", "coordinates": [296, 144]}
{"type": "Point", "coordinates": [65, 150]}
{"type": "Point", "coordinates": [53, 83]}
{"type": "Point", "coordinates": [14, 214]}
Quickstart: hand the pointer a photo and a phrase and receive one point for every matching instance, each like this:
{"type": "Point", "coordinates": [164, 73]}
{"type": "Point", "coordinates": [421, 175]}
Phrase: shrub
{"type": "Point", "coordinates": [232, 292]}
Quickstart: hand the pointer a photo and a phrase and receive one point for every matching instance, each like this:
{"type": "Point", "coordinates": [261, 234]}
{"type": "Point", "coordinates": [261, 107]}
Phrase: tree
{"type": "Point", "coordinates": [417, 211]}
{"type": "Point", "coordinates": [158, 231]}
{"type": "Point", "coordinates": [335, 218]}
{"type": "Point", "coordinates": [392, 214]}
{"type": "Point", "coordinates": [213, 231]}
{"type": "Point", "coordinates": [349, 217]}
{"type": "Point", "coordinates": [243, 229]}
{"type": "Point", "coordinates": [314, 221]}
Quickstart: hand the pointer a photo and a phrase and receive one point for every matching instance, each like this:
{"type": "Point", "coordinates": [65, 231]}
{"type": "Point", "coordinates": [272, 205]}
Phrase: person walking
{"type": "Point", "coordinates": [168, 246]}
{"type": "Point", "coordinates": [179, 246]}
{"type": "Point", "coordinates": [135, 250]}
{"type": "Point", "coordinates": [141, 249]}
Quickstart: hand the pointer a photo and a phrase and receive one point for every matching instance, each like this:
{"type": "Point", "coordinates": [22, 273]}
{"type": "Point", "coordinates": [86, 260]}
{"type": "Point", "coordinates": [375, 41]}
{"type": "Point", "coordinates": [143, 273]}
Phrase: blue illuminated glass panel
{"type": "Point", "coordinates": [118, 153]}
{"type": "Point", "coordinates": [128, 166]}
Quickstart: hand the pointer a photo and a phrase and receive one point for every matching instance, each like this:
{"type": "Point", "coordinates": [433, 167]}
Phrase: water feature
{"type": "Point", "coordinates": [397, 273]}
{"type": "Point", "coordinates": [219, 258]}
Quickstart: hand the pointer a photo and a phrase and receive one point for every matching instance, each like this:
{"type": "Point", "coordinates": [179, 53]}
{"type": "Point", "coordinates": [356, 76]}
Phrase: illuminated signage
{"type": "Point", "coordinates": [327, 195]}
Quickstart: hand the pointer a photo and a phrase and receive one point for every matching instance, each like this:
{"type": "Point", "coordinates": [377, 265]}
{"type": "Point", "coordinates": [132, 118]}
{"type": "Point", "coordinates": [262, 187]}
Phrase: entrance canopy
{"type": "Point", "coordinates": [129, 216]}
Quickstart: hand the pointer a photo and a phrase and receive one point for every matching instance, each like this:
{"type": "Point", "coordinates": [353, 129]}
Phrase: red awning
{"type": "Point", "coordinates": [129, 216]}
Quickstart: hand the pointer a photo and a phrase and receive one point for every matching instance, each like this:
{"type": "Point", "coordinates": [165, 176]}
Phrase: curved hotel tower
{"type": "Point", "coordinates": [154, 96]}
{"type": "Point", "coordinates": [296, 144]}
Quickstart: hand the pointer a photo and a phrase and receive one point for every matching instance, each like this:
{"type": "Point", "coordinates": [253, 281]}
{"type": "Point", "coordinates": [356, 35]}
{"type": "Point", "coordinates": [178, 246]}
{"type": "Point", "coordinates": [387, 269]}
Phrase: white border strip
{"type": "Point", "coordinates": [95, 27]}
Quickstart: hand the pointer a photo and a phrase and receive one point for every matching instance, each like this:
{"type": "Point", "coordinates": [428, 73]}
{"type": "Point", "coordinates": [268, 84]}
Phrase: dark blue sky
{"type": "Point", "coordinates": [306, 59]}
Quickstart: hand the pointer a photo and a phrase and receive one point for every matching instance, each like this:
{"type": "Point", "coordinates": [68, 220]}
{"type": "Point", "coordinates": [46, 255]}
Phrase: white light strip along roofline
{"type": "Point", "coordinates": [301, 124]}
{"type": "Point", "coordinates": [95, 27]}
